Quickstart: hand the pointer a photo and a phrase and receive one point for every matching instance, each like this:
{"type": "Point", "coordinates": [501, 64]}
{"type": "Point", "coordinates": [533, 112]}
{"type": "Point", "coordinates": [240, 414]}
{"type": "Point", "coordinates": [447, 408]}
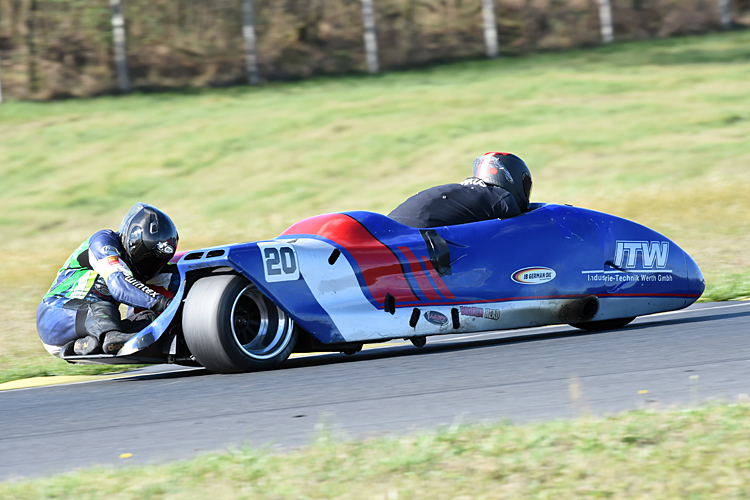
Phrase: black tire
{"type": "Point", "coordinates": [607, 324]}
{"type": "Point", "coordinates": [231, 327]}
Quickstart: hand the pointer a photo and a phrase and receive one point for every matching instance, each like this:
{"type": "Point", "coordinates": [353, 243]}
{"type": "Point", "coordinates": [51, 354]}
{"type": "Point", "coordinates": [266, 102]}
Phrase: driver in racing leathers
{"type": "Point", "coordinates": [500, 188]}
{"type": "Point", "coordinates": [80, 311]}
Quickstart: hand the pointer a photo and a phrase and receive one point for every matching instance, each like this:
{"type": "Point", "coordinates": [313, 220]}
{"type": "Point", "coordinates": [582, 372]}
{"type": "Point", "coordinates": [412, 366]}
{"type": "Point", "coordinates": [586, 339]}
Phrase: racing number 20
{"type": "Point", "coordinates": [280, 260]}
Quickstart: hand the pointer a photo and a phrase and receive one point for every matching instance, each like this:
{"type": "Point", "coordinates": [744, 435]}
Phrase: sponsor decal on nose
{"type": "Point", "coordinates": [652, 253]}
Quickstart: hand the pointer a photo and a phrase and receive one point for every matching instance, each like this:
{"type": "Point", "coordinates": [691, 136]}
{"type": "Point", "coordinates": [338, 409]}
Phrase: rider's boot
{"type": "Point", "coordinates": [113, 341]}
{"type": "Point", "coordinates": [87, 345]}
{"type": "Point", "coordinates": [103, 328]}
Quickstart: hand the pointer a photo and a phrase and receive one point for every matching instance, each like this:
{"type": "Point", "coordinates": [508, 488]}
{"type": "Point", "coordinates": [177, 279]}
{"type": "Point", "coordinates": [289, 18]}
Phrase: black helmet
{"type": "Point", "coordinates": [507, 171]}
{"type": "Point", "coordinates": [149, 240]}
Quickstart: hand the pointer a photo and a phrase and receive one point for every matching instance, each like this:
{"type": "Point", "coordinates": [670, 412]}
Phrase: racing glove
{"type": "Point", "coordinates": [161, 304]}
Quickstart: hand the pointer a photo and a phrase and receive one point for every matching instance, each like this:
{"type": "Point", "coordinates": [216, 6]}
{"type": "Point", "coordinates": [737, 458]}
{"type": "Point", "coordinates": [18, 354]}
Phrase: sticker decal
{"type": "Point", "coordinates": [651, 253]}
{"type": "Point", "coordinates": [140, 286]}
{"type": "Point", "coordinates": [279, 261]}
{"type": "Point", "coordinates": [436, 318]}
{"type": "Point", "coordinates": [492, 314]}
{"type": "Point", "coordinates": [479, 312]}
{"type": "Point", "coordinates": [110, 250]}
{"type": "Point", "coordinates": [641, 261]}
{"type": "Point", "coordinates": [533, 275]}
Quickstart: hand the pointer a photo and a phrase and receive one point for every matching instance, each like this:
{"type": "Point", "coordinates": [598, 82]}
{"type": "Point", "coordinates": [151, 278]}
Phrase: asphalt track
{"type": "Point", "coordinates": [679, 358]}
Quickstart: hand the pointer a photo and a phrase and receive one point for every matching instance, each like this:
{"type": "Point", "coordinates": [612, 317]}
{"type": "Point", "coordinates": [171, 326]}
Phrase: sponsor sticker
{"type": "Point", "coordinates": [653, 254]}
{"type": "Point", "coordinates": [533, 275]}
{"type": "Point", "coordinates": [110, 250]}
{"type": "Point", "coordinates": [492, 314]}
{"type": "Point", "coordinates": [436, 318]}
{"type": "Point", "coordinates": [642, 261]}
{"type": "Point", "coordinates": [473, 181]}
{"type": "Point", "coordinates": [480, 312]}
{"type": "Point", "coordinates": [477, 312]}
{"type": "Point", "coordinates": [140, 286]}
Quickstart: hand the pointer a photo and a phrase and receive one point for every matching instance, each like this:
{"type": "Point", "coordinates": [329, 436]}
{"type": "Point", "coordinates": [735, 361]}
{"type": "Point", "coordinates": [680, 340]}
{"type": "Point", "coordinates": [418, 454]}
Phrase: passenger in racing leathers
{"type": "Point", "coordinates": [79, 314]}
{"type": "Point", "coordinates": [499, 189]}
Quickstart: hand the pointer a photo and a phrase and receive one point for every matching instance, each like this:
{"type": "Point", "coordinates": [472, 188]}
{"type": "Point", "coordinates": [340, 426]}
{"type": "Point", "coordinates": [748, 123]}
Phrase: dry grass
{"type": "Point", "coordinates": [700, 453]}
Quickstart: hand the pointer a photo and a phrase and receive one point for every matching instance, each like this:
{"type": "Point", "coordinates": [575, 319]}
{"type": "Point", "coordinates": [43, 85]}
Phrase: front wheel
{"type": "Point", "coordinates": [231, 327]}
{"type": "Point", "coordinates": [605, 324]}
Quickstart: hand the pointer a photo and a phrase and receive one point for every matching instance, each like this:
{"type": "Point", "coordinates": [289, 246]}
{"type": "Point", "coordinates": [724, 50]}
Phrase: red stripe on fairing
{"type": "Point", "coordinates": [416, 269]}
{"type": "Point", "coordinates": [381, 269]}
{"type": "Point", "coordinates": [437, 279]}
{"type": "Point", "coordinates": [176, 257]}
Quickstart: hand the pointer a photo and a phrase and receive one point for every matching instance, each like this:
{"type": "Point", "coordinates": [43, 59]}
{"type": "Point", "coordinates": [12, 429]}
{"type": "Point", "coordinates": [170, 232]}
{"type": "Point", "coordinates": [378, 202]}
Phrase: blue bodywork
{"type": "Point", "coordinates": [553, 252]}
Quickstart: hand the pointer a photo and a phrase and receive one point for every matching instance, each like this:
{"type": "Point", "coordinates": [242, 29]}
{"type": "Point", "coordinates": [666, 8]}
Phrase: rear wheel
{"type": "Point", "coordinates": [231, 327]}
{"type": "Point", "coordinates": [607, 324]}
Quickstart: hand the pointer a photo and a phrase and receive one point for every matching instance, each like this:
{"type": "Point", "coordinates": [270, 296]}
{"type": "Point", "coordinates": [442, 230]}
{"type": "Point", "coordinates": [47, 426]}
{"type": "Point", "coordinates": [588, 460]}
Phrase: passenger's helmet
{"type": "Point", "coordinates": [149, 240]}
{"type": "Point", "coordinates": [507, 171]}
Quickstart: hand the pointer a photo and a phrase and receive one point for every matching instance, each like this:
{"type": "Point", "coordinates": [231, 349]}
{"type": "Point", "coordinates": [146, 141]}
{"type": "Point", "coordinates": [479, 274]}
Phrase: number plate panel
{"type": "Point", "coordinates": [279, 261]}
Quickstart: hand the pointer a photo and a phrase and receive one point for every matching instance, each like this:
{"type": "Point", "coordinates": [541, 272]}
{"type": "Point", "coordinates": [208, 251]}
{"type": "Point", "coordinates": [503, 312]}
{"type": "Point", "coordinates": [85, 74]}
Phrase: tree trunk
{"type": "Point", "coordinates": [248, 32]}
{"type": "Point", "coordinates": [371, 43]}
{"type": "Point", "coordinates": [490, 27]}
{"type": "Point", "coordinates": [605, 17]}
{"type": "Point", "coordinates": [118, 36]}
{"type": "Point", "coordinates": [31, 44]}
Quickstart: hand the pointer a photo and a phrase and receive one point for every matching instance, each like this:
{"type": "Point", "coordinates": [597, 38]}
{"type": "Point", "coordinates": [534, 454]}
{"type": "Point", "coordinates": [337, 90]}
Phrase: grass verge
{"type": "Point", "coordinates": [655, 132]}
{"type": "Point", "coordinates": [699, 453]}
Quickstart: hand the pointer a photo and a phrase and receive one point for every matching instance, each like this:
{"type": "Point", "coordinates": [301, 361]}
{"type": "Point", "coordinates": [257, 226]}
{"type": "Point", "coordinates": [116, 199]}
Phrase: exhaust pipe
{"type": "Point", "coordinates": [579, 310]}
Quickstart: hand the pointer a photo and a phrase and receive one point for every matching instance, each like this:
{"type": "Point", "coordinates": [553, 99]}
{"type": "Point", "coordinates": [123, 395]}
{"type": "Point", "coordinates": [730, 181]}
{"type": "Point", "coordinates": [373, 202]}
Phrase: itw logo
{"type": "Point", "coordinates": [654, 252]}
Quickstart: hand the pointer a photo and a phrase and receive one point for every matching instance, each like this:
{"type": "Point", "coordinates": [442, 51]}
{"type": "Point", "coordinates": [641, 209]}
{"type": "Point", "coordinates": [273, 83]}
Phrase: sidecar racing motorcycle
{"type": "Point", "coordinates": [337, 281]}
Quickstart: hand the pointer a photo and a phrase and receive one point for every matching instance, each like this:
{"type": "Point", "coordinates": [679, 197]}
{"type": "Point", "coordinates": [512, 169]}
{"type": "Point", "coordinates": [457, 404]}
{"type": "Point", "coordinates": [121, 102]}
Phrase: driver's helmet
{"type": "Point", "coordinates": [507, 171]}
{"type": "Point", "coordinates": [149, 240]}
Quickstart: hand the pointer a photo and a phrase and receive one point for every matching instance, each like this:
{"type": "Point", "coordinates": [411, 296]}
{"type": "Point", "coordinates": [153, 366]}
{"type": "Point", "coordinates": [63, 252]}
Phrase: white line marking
{"type": "Point", "coordinates": [686, 311]}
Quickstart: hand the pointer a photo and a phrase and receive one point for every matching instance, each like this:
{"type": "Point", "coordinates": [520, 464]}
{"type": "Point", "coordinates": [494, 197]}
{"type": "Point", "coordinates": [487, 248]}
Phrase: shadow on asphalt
{"type": "Point", "coordinates": [187, 372]}
{"type": "Point", "coordinates": [458, 345]}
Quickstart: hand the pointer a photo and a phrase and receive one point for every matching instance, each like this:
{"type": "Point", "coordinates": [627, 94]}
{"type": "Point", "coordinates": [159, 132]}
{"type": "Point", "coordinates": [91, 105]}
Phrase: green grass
{"type": "Point", "coordinates": [701, 453]}
{"type": "Point", "coordinates": [656, 132]}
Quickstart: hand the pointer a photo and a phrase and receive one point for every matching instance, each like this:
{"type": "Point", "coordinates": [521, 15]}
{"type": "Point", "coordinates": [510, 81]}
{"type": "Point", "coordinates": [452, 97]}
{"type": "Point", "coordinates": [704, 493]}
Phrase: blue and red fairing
{"type": "Point", "coordinates": [360, 276]}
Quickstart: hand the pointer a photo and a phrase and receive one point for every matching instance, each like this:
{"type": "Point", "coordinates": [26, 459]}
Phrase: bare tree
{"type": "Point", "coordinates": [31, 44]}
{"type": "Point", "coordinates": [725, 13]}
{"type": "Point", "coordinates": [371, 43]}
{"type": "Point", "coordinates": [605, 18]}
{"type": "Point", "coordinates": [121, 55]}
{"type": "Point", "coordinates": [248, 32]}
{"type": "Point", "coordinates": [490, 27]}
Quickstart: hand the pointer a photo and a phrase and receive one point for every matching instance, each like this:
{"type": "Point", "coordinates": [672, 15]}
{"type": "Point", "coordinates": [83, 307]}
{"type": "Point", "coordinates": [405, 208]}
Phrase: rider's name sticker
{"type": "Point", "coordinates": [533, 275]}
{"type": "Point", "coordinates": [279, 261]}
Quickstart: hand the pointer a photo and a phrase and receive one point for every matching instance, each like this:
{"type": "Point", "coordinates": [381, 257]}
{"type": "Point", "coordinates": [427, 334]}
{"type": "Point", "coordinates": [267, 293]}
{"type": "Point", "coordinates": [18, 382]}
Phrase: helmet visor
{"type": "Point", "coordinates": [527, 185]}
{"type": "Point", "coordinates": [491, 170]}
{"type": "Point", "coordinates": [134, 210]}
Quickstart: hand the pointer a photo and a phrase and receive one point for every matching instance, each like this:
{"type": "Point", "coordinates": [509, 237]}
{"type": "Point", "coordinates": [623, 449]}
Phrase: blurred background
{"type": "Point", "coordinates": [639, 108]}
{"type": "Point", "coordinates": [58, 48]}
